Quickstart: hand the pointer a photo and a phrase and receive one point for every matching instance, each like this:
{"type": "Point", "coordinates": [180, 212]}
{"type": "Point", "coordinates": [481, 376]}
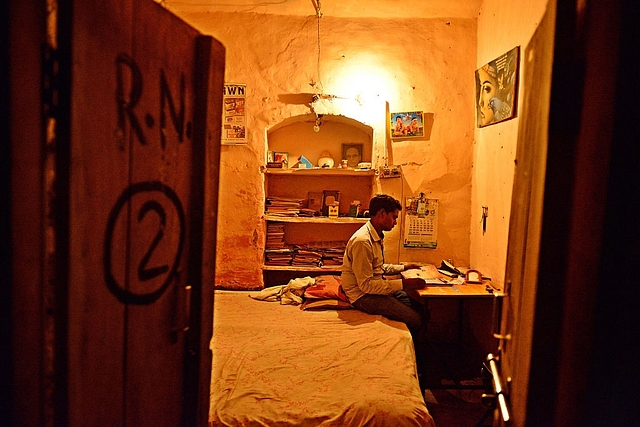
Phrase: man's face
{"type": "Point", "coordinates": [353, 157]}
{"type": "Point", "coordinates": [389, 219]}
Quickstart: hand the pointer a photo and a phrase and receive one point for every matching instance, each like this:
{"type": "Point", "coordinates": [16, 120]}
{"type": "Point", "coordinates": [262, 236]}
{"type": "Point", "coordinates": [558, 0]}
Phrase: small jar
{"type": "Point", "coordinates": [325, 160]}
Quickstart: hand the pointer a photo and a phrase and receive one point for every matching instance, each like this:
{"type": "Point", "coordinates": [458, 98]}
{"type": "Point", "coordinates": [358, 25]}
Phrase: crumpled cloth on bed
{"type": "Point", "coordinates": [291, 293]}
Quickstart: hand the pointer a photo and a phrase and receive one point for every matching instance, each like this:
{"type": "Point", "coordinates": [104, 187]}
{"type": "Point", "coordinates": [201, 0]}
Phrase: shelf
{"type": "Point", "coordinates": [332, 268]}
{"type": "Point", "coordinates": [296, 137]}
{"type": "Point", "coordinates": [315, 219]}
{"type": "Point", "coordinates": [321, 172]}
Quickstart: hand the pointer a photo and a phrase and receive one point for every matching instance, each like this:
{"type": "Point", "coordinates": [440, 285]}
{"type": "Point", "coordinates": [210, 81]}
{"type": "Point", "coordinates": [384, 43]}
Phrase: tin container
{"type": "Point", "coordinates": [353, 208]}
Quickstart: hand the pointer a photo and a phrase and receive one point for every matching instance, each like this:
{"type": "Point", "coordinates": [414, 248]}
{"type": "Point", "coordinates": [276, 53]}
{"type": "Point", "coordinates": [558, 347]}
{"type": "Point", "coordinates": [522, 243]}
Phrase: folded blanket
{"type": "Point", "coordinates": [291, 293]}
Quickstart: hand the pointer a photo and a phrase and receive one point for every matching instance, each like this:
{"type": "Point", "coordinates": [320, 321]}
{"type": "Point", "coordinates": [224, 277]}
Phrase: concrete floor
{"type": "Point", "coordinates": [457, 408]}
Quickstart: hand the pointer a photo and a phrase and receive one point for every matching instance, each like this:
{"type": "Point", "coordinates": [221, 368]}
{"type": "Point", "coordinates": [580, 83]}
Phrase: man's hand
{"type": "Point", "coordinates": [411, 287]}
{"type": "Point", "coordinates": [411, 265]}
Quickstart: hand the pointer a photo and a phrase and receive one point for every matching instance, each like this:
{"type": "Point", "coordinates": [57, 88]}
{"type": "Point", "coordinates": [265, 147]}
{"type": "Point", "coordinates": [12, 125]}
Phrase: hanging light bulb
{"type": "Point", "coordinates": [316, 127]}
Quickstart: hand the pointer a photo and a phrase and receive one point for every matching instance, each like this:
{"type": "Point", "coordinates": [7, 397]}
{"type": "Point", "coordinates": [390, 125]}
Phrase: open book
{"type": "Point", "coordinates": [429, 273]}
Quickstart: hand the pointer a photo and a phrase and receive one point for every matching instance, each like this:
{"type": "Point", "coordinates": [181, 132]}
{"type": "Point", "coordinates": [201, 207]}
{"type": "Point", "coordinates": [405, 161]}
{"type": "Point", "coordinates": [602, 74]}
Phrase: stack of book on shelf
{"type": "Point", "coordinates": [332, 256]}
{"type": "Point", "coordinates": [283, 206]}
{"type": "Point", "coordinates": [281, 256]}
{"type": "Point", "coordinates": [307, 257]}
{"type": "Point", "coordinates": [306, 212]}
{"type": "Point", "coordinates": [275, 235]}
{"type": "Point", "coordinates": [330, 252]}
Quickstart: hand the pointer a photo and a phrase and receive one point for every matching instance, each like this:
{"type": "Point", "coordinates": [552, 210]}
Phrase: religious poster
{"type": "Point", "coordinates": [421, 222]}
{"type": "Point", "coordinates": [497, 89]}
{"type": "Point", "coordinates": [407, 125]}
{"type": "Point", "coordinates": [234, 116]}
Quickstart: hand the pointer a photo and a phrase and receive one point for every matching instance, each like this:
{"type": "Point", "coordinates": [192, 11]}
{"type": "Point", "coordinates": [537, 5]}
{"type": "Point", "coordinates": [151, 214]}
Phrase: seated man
{"type": "Point", "coordinates": [363, 270]}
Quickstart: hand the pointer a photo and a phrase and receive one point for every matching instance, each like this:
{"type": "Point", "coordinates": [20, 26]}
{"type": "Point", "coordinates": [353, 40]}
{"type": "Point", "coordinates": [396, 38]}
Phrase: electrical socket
{"type": "Point", "coordinates": [390, 172]}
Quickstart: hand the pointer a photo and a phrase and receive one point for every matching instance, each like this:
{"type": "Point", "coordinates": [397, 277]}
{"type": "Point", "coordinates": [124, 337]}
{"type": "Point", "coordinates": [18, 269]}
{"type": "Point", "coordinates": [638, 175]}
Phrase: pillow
{"type": "Point", "coordinates": [326, 287]}
{"type": "Point", "coordinates": [325, 304]}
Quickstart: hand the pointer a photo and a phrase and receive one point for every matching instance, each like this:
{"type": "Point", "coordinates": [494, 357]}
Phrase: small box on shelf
{"type": "Point", "coordinates": [330, 197]}
{"type": "Point", "coordinates": [315, 201]}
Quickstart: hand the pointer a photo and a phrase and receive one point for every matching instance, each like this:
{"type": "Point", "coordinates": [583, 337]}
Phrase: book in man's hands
{"type": "Point", "coordinates": [429, 273]}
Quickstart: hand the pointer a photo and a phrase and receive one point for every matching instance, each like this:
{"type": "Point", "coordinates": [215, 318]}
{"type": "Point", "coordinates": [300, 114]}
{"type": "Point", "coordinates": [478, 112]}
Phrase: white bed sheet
{"type": "Point", "coordinates": [277, 365]}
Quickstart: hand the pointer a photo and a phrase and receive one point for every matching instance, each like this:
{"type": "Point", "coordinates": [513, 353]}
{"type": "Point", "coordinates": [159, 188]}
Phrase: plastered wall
{"type": "Point", "coordinates": [399, 65]}
{"type": "Point", "coordinates": [402, 65]}
{"type": "Point", "coordinates": [502, 25]}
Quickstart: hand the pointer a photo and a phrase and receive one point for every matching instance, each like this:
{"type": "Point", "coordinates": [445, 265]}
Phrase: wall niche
{"type": "Point", "coordinates": [297, 137]}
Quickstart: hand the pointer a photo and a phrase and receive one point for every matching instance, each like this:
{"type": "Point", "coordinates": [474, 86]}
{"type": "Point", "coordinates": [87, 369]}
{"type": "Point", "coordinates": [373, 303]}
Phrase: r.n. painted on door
{"type": "Point", "coordinates": [137, 143]}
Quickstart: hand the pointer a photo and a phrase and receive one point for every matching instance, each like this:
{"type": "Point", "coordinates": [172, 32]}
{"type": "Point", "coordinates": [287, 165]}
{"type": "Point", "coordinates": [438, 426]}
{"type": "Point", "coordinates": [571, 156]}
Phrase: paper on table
{"type": "Point", "coordinates": [429, 273]}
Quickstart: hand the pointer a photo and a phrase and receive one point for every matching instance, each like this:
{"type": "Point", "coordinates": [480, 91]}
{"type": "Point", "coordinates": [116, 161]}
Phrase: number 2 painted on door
{"type": "Point", "coordinates": [145, 272]}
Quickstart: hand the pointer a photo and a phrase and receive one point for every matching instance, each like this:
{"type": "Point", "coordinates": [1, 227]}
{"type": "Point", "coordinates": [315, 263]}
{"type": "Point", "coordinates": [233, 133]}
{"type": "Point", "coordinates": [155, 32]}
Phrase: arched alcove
{"type": "Point", "coordinates": [296, 136]}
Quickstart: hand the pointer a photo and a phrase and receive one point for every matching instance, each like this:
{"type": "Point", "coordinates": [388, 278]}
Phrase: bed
{"type": "Point", "coordinates": [280, 365]}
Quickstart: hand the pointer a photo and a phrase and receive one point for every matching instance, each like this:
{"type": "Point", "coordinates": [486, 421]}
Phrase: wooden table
{"type": "Point", "coordinates": [445, 287]}
{"type": "Point", "coordinates": [466, 290]}
{"type": "Point", "coordinates": [460, 292]}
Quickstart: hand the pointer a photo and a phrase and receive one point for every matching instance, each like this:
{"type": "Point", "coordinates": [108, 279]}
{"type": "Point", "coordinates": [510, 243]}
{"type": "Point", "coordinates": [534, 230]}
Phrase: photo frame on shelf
{"type": "Point", "coordinates": [407, 124]}
{"type": "Point", "coordinates": [497, 89]}
{"type": "Point", "coordinates": [329, 198]}
{"type": "Point", "coordinates": [281, 157]}
{"type": "Point", "coordinates": [352, 153]}
{"type": "Point", "coordinates": [271, 163]}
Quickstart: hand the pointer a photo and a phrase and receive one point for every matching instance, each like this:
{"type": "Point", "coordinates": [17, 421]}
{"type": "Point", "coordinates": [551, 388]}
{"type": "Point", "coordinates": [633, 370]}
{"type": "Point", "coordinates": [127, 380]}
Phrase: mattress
{"type": "Point", "coordinates": [278, 365]}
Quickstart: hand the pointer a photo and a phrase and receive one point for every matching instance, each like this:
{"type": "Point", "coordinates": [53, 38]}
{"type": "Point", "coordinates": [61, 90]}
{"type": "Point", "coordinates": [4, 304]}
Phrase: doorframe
{"type": "Point", "coordinates": [583, 363]}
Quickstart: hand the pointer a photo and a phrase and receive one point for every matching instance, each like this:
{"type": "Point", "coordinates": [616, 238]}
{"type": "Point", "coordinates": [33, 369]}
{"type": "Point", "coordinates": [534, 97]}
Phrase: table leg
{"type": "Point", "coordinates": [435, 356]}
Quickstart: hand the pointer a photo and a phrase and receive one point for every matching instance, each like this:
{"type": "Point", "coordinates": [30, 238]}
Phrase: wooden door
{"type": "Point", "coordinates": [521, 277]}
{"type": "Point", "coordinates": [570, 355]}
{"type": "Point", "coordinates": [145, 113]}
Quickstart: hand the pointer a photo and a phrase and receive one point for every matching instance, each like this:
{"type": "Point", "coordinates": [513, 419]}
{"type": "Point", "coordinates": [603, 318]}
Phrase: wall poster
{"type": "Point", "coordinates": [407, 125]}
{"type": "Point", "coordinates": [421, 222]}
{"type": "Point", "coordinates": [497, 89]}
{"type": "Point", "coordinates": [234, 117]}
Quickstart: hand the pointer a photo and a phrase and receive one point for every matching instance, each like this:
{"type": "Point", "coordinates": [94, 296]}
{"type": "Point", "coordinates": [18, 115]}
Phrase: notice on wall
{"type": "Point", "coordinates": [234, 116]}
{"type": "Point", "coordinates": [421, 222]}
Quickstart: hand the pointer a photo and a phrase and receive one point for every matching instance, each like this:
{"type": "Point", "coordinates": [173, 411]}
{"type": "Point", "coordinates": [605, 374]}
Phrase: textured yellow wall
{"type": "Point", "coordinates": [502, 25]}
{"type": "Point", "coordinates": [403, 65]}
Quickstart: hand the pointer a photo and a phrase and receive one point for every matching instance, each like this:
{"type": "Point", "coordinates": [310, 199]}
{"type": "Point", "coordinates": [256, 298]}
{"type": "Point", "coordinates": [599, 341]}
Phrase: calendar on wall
{"type": "Point", "coordinates": [421, 222]}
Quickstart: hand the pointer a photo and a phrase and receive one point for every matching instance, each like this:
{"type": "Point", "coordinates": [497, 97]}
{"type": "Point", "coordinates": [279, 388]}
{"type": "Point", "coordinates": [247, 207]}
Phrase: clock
{"type": "Point", "coordinates": [473, 276]}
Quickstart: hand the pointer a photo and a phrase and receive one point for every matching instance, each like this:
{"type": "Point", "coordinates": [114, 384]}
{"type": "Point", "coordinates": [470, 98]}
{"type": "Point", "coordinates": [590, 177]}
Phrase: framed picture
{"type": "Point", "coordinates": [281, 157]}
{"type": "Point", "coordinates": [352, 153]}
{"type": "Point", "coordinates": [407, 125]}
{"type": "Point", "coordinates": [497, 89]}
